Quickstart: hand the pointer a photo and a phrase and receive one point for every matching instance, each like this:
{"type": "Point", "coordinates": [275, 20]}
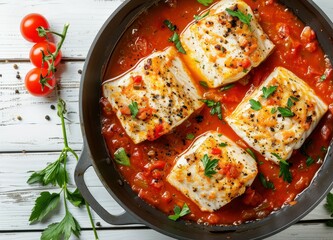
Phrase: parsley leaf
{"type": "Point", "coordinates": [65, 228]}
{"type": "Point", "coordinates": [323, 77]}
{"type": "Point", "coordinates": [285, 112]}
{"type": "Point", "coordinates": [75, 197]}
{"type": "Point", "coordinates": [284, 169]}
{"type": "Point", "coordinates": [198, 17]}
{"type": "Point", "coordinates": [179, 212]}
{"type": "Point", "coordinates": [267, 92]}
{"type": "Point", "coordinates": [209, 165]}
{"type": "Point", "coordinates": [241, 16]}
{"type": "Point", "coordinates": [44, 204]}
{"type": "Point", "coordinates": [134, 109]}
{"type": "Point", "coordinates": [203, 83]}
{"type": "Point", "coordinates": [170, 25]}
{"type": "Point", "coordinates": [249, 151]}
{"type": "Point", "coordinates": [267, 184]}
{"type": "Point", "coordinates": [255, 105]}
{"type": "Point", "coordinates": [190, 136]}
{"type": "Point", "coordinates": [309, 161]}
{"type": "Point", "coordinates": [215, 107]}
{"type": "Point", "coordinates": [223, 144]}
{"type": "Point", "coordinates": [121, 157]}
{"type": "Point", "coordinates": [227, 87]}
{"type": "Point", "coordinates": [175, 39]}
{"type": "Point", "coordinates": [205, 2]}
{"type": "Point", "coordinates": [273, 110]}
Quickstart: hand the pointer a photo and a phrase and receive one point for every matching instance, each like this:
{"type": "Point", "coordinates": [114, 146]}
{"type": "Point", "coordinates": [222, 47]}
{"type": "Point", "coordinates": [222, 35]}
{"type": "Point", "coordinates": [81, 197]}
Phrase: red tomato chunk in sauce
{"type": "Point", "coordinates": [297, 49]}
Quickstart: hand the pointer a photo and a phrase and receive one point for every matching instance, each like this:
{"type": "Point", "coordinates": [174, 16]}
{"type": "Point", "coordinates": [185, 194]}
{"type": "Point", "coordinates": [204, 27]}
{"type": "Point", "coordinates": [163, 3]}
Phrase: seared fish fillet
{"type": "Point", "coordinates": [154, 97]}
{"type": "Point", "coordinates": [285, 119]}
{"type": "Point", "coordinates": [222, 49]}
{"type": "Point", "coordinates": [235, 170]}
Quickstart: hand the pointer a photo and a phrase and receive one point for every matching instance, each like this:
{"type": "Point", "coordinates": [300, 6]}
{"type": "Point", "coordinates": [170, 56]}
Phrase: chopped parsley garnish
{"type": "Point", "coordinates": [199, 17]}
{"type": "Point", "coordinates": [178, 44]}
{"type": "Point", "coordinates": [170, 25]}
{"type": "Point", "coordinates": [284, 169]}
{"type": "Point", "coordinates": [329, 207]}
{"type": "Point", "coordinates": [209, 165]}
{"type": "Point", "coordinates": [255, 105]}
{"type": "Point", "coordinates": [295, 99]}
{"type": "Point", "coordinates": [190, 136]}
{"type": "Point", "coordinates": [267, 184]}
{"type": "Point", "coordinates": [205, 2]}
{"type": "Point", "coordinates": [223, 144]}
{"type": "Point", "coordinates": [285, 112]}
{"type": "Point", "coordinates": [203, 83]}
{"type": "Point", "coordinates": [175, 37]}
{"type": "Point", "coordinates": [309, 161]}
{"type": "Point", "coordinates": [241, 16]}
{"type": "Point", "coordinates": [227, 87]}
{"type": "Point", "coordinates": [179, 212]}
{"type": "Point", "coordinates": [215, 107]}
{"type": "Point", "coordinates": [121, 157]}
{"type": "Point", "coordinates": [290, 103]}
{"type": "Point", "coordinates": [267, 92]}
{"type": "Point", "coordinates": [249, 151]}
{"type": "Point", "coordinates": [324, 149]}
{"type": "Point", "coordinates": [273, 110]}
{"type": "Point", "coordinates": [134, 109]}
{"type": "Point", "coordinates": [323, 78]}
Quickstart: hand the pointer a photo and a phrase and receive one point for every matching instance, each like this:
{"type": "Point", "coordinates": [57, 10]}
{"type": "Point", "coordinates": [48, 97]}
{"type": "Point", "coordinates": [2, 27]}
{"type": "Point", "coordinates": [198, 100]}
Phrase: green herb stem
{"type": "Point", "coordinates": [61, 111]}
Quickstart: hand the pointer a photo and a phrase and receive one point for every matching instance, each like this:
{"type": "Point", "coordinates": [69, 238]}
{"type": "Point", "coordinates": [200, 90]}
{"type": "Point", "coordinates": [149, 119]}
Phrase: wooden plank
{"type": "Point", "coordinates": [85, 18]}
{"type": "Point", "coordinates": [295, 232]}
{"type": "Point", "coordinates": [17, 197]}
{"type": "Point", "coordinates": [34, 132]}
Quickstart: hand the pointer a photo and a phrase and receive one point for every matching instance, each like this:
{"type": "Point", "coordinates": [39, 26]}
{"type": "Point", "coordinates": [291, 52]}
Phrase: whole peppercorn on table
{"type": "Point", "coordinates": [30, 129]}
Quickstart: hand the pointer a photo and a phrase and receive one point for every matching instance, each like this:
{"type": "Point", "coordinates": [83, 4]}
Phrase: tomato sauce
{"type": "Point", "coordinates": [296, 49]}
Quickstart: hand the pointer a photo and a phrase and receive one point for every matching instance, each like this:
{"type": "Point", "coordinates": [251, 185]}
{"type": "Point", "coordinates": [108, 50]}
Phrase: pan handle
{"type": "Point", "coordinates": [83, 164]}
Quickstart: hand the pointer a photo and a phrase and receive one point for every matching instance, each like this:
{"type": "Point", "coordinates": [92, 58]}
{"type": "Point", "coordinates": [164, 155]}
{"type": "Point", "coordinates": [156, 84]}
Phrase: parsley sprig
{"type": "Point", "coordinates": [284, 169]}
{"type": "Point", "coordinates": [56, 174]}
{"type": "Point", "coordinates": [209, 165]}
{"type": "Point", "coordinates": [215, 107]}
{"type": "Point", "coordinates": [179, 212]}
{"type": "Point", "coordinates": [267, 92]}
{"type": "Point", "coordinates": [245, 18]}
{"type": "Point", "coordinates": [175, 37]}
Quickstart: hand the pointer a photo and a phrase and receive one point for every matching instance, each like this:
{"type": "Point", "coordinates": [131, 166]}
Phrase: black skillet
{"type": "Point", "coordinates": [137, 211]}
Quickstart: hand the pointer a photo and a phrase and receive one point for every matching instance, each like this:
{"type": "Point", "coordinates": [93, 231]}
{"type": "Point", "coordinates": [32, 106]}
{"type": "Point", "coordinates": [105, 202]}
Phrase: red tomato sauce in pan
{"type": "Point", "coordinates": [297, 49]}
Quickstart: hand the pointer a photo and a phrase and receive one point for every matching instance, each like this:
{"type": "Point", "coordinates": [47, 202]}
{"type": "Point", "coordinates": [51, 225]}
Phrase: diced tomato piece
{"type": "Point", "coordinates": [158, 131]}
{"type": "Point", "coordinates": [246, 63]}
{"type": "Point", "coordinates": [137, 79]}
{"type": "Point", "coordinates": [308, 35]}
{"type": "Point", "coordinates": [251, 197]}
{"type": "Point", "coordinates": [125, 110]}
{"type": "Point", "coordinates": [283, 30]}
{"type": "Point", "coordinates": [216, 151]}
{"type": "Point", "coordinates": [166, 197]}
{"type": "Point", "coordinates": [230, 170]}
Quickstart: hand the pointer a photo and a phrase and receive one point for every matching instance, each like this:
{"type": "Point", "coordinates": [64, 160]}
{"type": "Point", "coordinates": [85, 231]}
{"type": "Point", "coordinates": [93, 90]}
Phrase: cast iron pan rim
{"type": "Point", "coordinates": [253, 225]}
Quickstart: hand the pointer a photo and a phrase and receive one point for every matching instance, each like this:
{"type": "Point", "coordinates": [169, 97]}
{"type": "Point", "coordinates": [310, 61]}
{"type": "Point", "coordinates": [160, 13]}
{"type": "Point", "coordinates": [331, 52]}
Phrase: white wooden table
{"type": "Point", "coordinates": [28, 141]}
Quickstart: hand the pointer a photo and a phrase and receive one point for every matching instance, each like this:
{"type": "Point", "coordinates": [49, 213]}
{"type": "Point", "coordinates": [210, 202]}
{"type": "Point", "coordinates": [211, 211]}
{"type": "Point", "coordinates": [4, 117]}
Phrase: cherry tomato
{"type": "Point", "coordinates": [30, 23]}
{"type": "Point", "coordinates": [33, 82]}
{"type": "Point", "coordinates": [36, 55]}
